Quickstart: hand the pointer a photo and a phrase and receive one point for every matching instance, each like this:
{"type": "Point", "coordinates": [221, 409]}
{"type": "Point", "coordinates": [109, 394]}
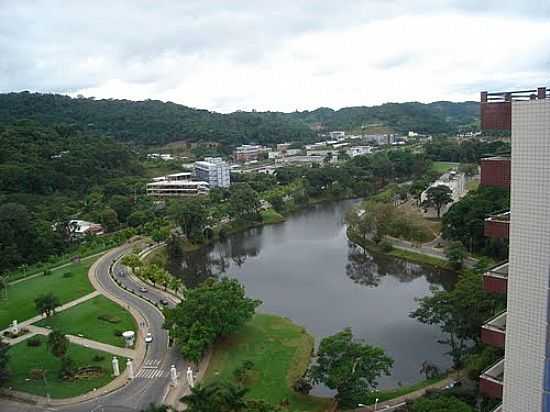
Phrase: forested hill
{"type": "Point", "coordinates": [152, 121]}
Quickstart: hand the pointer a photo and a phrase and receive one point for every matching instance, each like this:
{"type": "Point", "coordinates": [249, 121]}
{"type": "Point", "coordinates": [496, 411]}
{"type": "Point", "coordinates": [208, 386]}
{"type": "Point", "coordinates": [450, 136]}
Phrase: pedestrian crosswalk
{"type": "Point", "coordinates": [150, 370]}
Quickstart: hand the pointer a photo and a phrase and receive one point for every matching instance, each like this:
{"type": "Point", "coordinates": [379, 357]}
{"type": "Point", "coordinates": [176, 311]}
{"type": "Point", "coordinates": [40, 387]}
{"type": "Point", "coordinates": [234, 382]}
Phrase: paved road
{"type": "Point", "coordinates": [152, 379]}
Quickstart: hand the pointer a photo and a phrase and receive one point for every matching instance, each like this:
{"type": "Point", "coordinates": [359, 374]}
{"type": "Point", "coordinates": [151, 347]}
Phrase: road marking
{"type": "Point", "coordinates": [151, 373]}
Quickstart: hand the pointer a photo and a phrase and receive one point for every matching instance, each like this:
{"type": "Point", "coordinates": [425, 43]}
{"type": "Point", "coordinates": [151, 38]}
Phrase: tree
{"type": "Point", "coordinates": [68, 368]}
{"type": "Point", "coordinates": [58, 344]}
{"type": "Point", "coordinates": [244, 203]}
{"type": "Point", "coordinates": [191, 215]}
{"type": "Point", "coordinates": [46, 303]}
{"type": "Point", "coordinates": [4, 359]}
{"type": "Point", "coordinates": [133, 261]}
{"type": "Point", "coordinates": [437, 197]}
{"type": "Point", "coordinates": [349, 366]}
{"type": "Point", "coordinates": [109, 219]}
{"type": "Point", "coordinates": [439, 404]}
{"type": "Point", "coordinates": [459, 313]}
{"type": "Point", "coordinates": [173, 247]}
{"type": "Point", "coordinates": [215, 309]}
{"type": "Point", "coordinates": [456, 253]}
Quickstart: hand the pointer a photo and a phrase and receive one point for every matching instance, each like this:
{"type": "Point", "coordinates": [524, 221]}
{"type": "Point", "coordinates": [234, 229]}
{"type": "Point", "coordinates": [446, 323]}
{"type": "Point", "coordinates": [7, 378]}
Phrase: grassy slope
{"type": "Point", "coordinates": [24, 358]}
{"type": "Point", "coordinates": [442, 167]}
{"type": "Point", "coordinates": [20, 302]}
{"type": "Point", "coordinates": [83, 319]}
{"type": "Point", "coordinates": [280, 351]}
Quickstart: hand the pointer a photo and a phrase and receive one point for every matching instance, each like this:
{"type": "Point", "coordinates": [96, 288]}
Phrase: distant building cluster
{"type": "Point", "coordinates": [176, 185]}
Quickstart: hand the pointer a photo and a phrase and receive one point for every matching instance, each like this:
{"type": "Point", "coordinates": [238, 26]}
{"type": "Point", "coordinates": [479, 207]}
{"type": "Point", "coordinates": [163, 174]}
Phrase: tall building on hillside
{"type": "Point", "coordinates": [248, 152]}
{"type": "Point", "coordinates": [522, 378]}
{"type": "Point", "coordinates": [214, 171]}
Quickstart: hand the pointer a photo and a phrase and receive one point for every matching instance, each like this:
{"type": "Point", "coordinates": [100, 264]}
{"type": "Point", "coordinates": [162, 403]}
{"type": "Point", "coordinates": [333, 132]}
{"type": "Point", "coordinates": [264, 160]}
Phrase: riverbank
{"type": "Point", "coordinates": [279, 352]}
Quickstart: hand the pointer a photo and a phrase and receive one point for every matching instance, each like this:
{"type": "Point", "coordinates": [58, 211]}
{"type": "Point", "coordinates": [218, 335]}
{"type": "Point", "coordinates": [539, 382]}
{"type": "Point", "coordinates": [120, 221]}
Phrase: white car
{"type": "Point", "coordinates": [143, 290]}
{"type": "Point", "coordinates": [148, 338]}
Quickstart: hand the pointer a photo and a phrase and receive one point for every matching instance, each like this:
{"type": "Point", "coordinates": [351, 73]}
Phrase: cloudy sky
{"type": "Point", "coordinates": [274, 55]}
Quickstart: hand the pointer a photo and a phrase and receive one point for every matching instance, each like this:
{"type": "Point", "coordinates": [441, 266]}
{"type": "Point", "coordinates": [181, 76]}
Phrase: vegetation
{"type": "Point", "coordinates": [153, 121]}
{"type": "Point", "coordinates": [223, 397]}
{"type": "Point", "coordinates": [443, 167]}
{"type": "Point", "coordinates": [349, 366]}
{"type": "Point", "coordinates": [469, 151]}
{"type": "Point", "coordinates": [19, 303]}
{"type": "Point", "coordinates": [459, 313]}
{"type": "Point", "coordinates": [437, 197]}
{"type": "Point", "coordinates": [47, 303]}
{"type": "Point", "coordinates": [439, 404]}
{"type": "Point", "coordinates": [216, 309]}
{"type": "Point", "coordinates": [280, 352]}
{"type": "Point", "coordinates": [98, 319]}
{"type": "Point", "coordinates": [464, 221]}
{"type": "Point", "coordinates": [456, 253]}
{"type": "Point", "coordinates": [35, 370]}
{"type": "Point", "coordinates": [4, 359]}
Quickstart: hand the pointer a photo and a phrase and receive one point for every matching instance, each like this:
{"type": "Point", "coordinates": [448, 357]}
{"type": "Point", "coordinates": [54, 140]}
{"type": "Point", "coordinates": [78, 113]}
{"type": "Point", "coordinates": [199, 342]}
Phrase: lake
{"type": "Point", "coordinates": [307, 270]}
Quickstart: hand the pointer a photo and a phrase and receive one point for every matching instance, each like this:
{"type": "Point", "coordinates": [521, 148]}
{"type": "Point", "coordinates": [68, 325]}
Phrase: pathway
{"type": "Point", "coordinates": [61, 308]}
{"type": "Point", "coordinates": [394, 403]}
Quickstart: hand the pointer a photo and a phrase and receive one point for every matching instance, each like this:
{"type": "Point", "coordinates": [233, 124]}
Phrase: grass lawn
{"type": "Point", "coordinates": [442, 167]}
{"type": "Point", "coordinates": [24, 358]}
{"type": "Point", "coordinates": [20, 302]}
{"type": "Point", "coordinates": [270, 216]}
{"type": "Point", "coordinates": [280, 351]}
{"type": "Point", "coordinates": [84, 319]}
{"type": "Point", "coordinates": [421, 258]}
{"type": "Point", "coordinates": [472, 184]}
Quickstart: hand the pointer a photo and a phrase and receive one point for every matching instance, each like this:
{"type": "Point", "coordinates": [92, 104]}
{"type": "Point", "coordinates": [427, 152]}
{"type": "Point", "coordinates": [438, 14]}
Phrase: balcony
{"type": "Point", "coordinates": [496, 108]}
{"type": "Point", "coordinates": [496, 172]}
{"type": "Point", "coordinates": [491, 381]}
{"type": "Point", "coordinates": [498, 226]}
{"type": "Point", "coordinates": [494, 331]}
{"type": "Point", "coordinates": [495, 280]}
{"type": "Point", "coordinates": [498, 408]}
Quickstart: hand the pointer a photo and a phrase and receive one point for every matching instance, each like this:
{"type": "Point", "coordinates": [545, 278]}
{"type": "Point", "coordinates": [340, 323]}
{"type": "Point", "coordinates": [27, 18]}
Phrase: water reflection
{"type": "Point", "coordinates": [306, 270]}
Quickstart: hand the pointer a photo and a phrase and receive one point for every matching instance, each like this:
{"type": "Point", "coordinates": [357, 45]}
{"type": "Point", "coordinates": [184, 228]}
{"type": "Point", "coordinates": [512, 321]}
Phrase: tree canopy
{"type": "Point", "coordinates": [216, 308]}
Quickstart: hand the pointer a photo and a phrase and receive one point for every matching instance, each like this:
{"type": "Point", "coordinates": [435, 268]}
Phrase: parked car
{"type": "Point", "coordinates": [148, 338]}
{"type": "Point", "coordinates": [143, 290]}
{"type": "Point", "coordinates": [164, 302]}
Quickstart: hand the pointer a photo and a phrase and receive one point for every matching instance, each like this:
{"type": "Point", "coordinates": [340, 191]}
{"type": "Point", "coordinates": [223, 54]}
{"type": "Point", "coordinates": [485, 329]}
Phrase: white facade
{"type": "Point", "coordinates": [337, 134]}
{"type": "Point", "coordinates": [214, 171]}
{"type": "Point", "coordinates": [177, 184]}
{"type": "Point", "coordinates": [454, 181]}
{"type": "Point", "coordinates": [359, 150]}
{"type": "Point", "coordinates": [526, 388]}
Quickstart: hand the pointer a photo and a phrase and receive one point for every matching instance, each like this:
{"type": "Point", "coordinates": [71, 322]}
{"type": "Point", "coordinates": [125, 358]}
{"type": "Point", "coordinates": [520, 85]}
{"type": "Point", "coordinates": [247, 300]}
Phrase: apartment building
{"type": "Point", "coordinates": [214, 171]}
{"type": "Point", "coordinates": [522, 378]}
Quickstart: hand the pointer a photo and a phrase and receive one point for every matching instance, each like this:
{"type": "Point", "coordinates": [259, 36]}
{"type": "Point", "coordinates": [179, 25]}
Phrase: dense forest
{"type": "Point", "coordinates": [155, 122]}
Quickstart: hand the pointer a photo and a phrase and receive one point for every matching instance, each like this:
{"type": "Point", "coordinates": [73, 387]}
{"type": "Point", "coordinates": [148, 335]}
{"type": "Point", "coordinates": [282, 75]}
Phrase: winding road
{"type": "Point", "coordinates": [152, 381]}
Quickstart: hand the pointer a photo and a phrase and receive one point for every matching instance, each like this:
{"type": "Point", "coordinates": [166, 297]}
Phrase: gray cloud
{"type": "Point", "coordinates": [230, 55]}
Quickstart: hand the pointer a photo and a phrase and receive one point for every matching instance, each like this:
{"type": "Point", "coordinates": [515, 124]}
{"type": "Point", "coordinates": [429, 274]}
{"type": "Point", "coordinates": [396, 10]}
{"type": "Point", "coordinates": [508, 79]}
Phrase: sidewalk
{"type": "Point", "coordinates": [38, 318]}
{"type": "Point", "coordinates": [453, 377]}
{"type": "Point", "coordinates": [88, 343]}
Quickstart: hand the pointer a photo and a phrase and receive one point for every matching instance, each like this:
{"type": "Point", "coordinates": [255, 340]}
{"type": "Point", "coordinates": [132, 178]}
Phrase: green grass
{"type": "Point", "coordinates": [443, 167]}
{"type": "Point", "coordinates": [386, 395]}
{"type": "Point", "coordinates": [280, 351]}
{"type": "Point", "coordinates": [84, 319]}
{"type": "Point", "coordinates": [270, 216]}
{"type": "Point", "coordinates": [472, 185]}
{"type": "Point", "coordinates": [420, 258]}
{"type": "Point", "coordinates": [20, 301]}
{"type": "Point", "coordinates": [24, 358]}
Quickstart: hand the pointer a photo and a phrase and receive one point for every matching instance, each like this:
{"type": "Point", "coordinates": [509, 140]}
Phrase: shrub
{"type": "Point", "coordinates": [98, 358]}
{"type": "Point", "coordinates": [386, 246]}
{"type": "Point", "coordinates": [109, 318]}
{"type": "Point", "coordinates": [118, 333]}
{"type": "Point", "coordinates": [47, 272]}
{"type": "Point", "coordinates": [67, 275]}
{"type": "Point", "coordinates": [34, 342]}
{"type": "Point", "coordinates": [302, 385]}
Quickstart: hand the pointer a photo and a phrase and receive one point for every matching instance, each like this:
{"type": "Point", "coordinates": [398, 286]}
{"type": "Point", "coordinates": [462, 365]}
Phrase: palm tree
{"type": "Point", "coordinates": [216, 397]}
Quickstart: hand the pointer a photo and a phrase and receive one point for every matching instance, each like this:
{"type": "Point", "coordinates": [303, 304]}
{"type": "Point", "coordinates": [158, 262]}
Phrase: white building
{"type": "Point", "coordinates": [81, 228]}
{"type": "Point", "coordinates": [174, 185]}
{"type": "Point", "coordinates": [214, 171]}
{"type": "Point", "coordinates": [358, 150]}
{"type": "Point", "coordinates": [337, 134]}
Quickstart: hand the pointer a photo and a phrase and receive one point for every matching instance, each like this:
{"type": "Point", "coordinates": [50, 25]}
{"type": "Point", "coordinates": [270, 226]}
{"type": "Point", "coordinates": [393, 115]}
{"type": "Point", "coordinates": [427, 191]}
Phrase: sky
{"type": "Point", "coordinates": [280, 55]}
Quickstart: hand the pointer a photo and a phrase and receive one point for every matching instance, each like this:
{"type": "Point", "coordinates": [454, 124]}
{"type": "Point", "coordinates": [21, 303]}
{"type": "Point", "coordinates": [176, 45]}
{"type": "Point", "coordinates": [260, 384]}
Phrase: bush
{"type": "Point", "coordinates": [67, 275]}
{"type": "Point", "coordinates": [98, 358]}
{"type": "Point", "coordinates": [109, 318]}
{"type": "Point", "coordinates": [34, 342]}
{"type": "Point", "coordinates": [118, 333]}
{"type": "Point", "coordinates": [302, 385]}
{"type": "Point", "coordinates": [47, 272]}
{"type": "Point", "coordinates": [386, 246]}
